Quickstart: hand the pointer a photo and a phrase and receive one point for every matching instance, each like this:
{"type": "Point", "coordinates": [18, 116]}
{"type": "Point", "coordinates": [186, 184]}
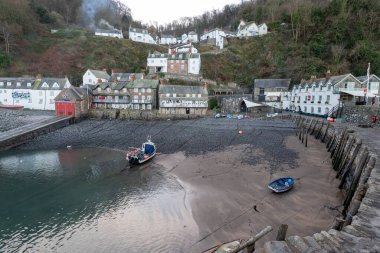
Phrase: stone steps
{"type": "Point", "coordinates": [332, 241]}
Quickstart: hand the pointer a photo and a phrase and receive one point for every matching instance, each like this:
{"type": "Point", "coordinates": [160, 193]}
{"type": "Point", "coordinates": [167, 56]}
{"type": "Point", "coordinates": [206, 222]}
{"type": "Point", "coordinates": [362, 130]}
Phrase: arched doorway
{"type": "Point", "coordinates": [243, 107]}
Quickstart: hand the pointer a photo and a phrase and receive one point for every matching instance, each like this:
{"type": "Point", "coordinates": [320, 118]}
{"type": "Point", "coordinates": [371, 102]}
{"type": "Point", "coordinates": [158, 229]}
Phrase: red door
{"type": "Point", "coordinates": [65, 109]}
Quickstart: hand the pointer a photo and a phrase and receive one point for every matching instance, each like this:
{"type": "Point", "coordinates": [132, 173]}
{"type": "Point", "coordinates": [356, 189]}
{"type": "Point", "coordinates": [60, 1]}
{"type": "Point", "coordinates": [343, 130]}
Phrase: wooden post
{"type": "Point", "coordinates": [281, 234]}
{"type": "Point", "coordinates": [306, 141]}
{"type": "Point", "coordinates": [252, 240]}
{"type": "Point", "coordinates": [303, 134]}
{"type": "Point", "coordinates": [327, 129]}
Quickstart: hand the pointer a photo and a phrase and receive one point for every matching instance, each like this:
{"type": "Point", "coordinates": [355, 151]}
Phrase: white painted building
{"type": "Point", "coordinates": [32, 93]}
{"type": "Point", "coordinates": [141, 35]}
{"type": "Point", "coordinates": [193, 37]}
{"type": "Point", "coordinates": [109, 33]}
{"type": "Point", "coordinates": [92, 77]}
{"type": "Point", "coordinates": [157, 62]}
{"type": "Point", "coordinates": [217, 35]}
{"type": "Point", "coordinates": [321, 96]}
{"type": "Point", "coordinates": [194, 64]}
{"type": "Point", "coordinates": [168, 40]}
{"type": "Point", "coordinates": [251, 29]}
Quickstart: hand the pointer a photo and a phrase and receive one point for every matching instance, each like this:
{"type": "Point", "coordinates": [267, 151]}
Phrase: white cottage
{"type": "Point", "coordinates": [31, 93]}
{"type": "Point", "coordinates": [157, 62]}
{"type": "Point", "coordinates": [141, 35]}
{"type": "Point", "coordinates": [109, 33]}
{"type": "Point", "coordinates": [322, 96]}
{"type": "Point", "coordinates": [251, 29]}
{"type": "Point", "coordinates": [92, 77]}
{"type": "Point", "coordinates": [216, 36]}
{"type": "Point", "coordinates": [193, 37]}
{"type": "Point", "coordinates": [168, 40]}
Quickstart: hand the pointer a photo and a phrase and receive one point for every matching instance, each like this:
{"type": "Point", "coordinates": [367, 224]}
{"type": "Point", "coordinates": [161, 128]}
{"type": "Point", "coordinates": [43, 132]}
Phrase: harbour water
{"type": "Point", "coordinates": [88, 200]}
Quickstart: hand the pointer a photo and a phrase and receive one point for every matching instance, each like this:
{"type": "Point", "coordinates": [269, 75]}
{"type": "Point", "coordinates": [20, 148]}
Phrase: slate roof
{"type": "Point", "coordinates": [192, 33]}
{"type": "Point", "coordinates": [100, 74]}
{"type": "Point", "coordinates": [14, 80]}
{"type": "Point", "coordinates": [115, 31]}
{"type": "Point", "coordinates": [124, 77]}
{"type": "Point", "coordinates": [167, 36]}
{"type": "Point", "coordinates": [38, 84]}
{"type": "Point", "coordinates": [365, 78]}
{"type": "Point", "coordinates": [272, 83]}
{"type": "Point", "coordinates": [138, 30]}
{"type": "Point", "coordinates": [182, 89]}
{"type": "Point", "coordinates": [146, 83]}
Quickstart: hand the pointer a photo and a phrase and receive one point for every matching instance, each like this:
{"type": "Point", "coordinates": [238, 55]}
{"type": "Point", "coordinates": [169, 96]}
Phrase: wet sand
{"type": "Point", "coordinates": [230, 199]}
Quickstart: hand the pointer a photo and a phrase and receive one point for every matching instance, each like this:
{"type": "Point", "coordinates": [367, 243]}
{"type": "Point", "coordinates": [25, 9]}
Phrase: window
{"type": "Point", "coordinates": [1, 84]}
{"type": "Point", "coordinates": [319, 109]}
{"type": "Point", "coordinates": [167, 95]}
{"type": "Point", "coordinates": [89, 80]}
{"type": "Point", "coordinates": [143, 107]}
{"type": "Point", "coordinates": [329, 87]}
{"type": "Point", "coordinates": [143, 90]}
{"type": "Point", "coordinates": [45, 85]}
{"type": "Point", "coordinates": [108, 89]}
{"type": "Point", "coordinates": [149, 90]}
{"type": "Point", "coordinates": [51, 93]}
{"type": "Point", "coordinates": [135, 97]}
{"type": "Point", "coordinates": [136, 106]}
{"type": "Point", "coordinates": [124, 90]}
{"type": "Point", "coordinates": [312, 98]}
{"type": "Point", "coordinates": [30, 101]}
{"type": "Point", "coordinates": [171, 66]}
{"type": "Point", "coordinates": [116, 91]}
{"type": "Point", "coordinates": [40, 101]}
{"type": "Point", "coordinates": [29, 84]}
{"type": "Point", "coordinates": [99, 89]}
{"type": "Point", "coordinates": [320, 98]}
{"type": "Point", "coordinates": [174, 95]}
{"type": "Point", "coordinates": [9, 83]}
{"type": "Point", "coordinates": [5, 100]}
{"type": "Point", "coordinates": [1, 91]}
{"type": "Point", "coordinates": [307, 88]}
{"type": "Point", "coordinates": [149, 98]}
{"type": "Point", "coordinates": [312, 109]}
{"type": "Point", "coordinates": [18, 84]}
{"type": "Point", "coordinates": [5, 91]}
{"type": "Point", "coordinates": [328, 98]}
{"type": "Point", "coordinates": [320, 87]}
{"type": "Point", "coordinates": [40, 93]}
{"type": "Point", "coordinates": [143, 97]}
{"type": "Point", "coordinates": [51, 101]}
{"type": "Point", "coordinates": [313, 88]}
{"type": "Point", "coordinates": [305, 109]}
{"type": "Point", "coordinates": [136, 89]}
{"type": "Point", "coordinates": [187, 95]}
{"type": "Point", "coordinates": [193, 95]}
{"type": "Point", "coordinates": [149, 107]}
{"type": "Point", "coordinates": [182, 67]}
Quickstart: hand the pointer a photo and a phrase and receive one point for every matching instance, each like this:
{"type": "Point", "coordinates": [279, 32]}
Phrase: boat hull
{"type": "Point", "coordinates": [12, 107]}
{"type": "Point", "coordinates": [281, 184]}
{"type": "Point", "coordinates": [136, 160]}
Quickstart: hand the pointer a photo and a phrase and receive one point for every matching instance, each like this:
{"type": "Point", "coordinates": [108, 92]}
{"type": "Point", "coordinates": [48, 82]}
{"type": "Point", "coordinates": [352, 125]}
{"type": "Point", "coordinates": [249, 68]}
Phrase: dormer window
{"type": "Point", "coordinates": [174, 95]}
{"type": "Point", "coordinates": [18, 84]}
{"type": "Point", "coordinates": [116, 91]}
{"type": "Point", "coordinates": [124, 89]}
{"type": "Point", "coordinates": [29, 84]}
{"type": "Point", "coordinates": [55, 85]}
{"type": "Point", "coordinates": [45, 85]}
{"type": "Point", "coordinates": [167, 95]}
{"type": "Point", "coordinates": [187, 95]}
{"type": "Point", "coordinates": [9, 83]}
{"type": "Point", "coordinates": [108, 89]}
{"type": "Point", "coordinates": [99, 89]}
{"type": "Point", "coordinates": [1, 84]}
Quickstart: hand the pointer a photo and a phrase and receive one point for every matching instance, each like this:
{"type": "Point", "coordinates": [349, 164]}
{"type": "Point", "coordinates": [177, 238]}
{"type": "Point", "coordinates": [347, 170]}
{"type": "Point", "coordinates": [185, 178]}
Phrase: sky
{"type": "Point", "coordinates": [165, 11]}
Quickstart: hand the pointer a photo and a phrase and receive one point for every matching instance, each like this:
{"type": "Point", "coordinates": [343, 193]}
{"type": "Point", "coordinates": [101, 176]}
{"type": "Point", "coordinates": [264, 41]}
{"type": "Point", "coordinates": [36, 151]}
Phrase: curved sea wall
{"type": "Point", "coordinates": [354, 158]}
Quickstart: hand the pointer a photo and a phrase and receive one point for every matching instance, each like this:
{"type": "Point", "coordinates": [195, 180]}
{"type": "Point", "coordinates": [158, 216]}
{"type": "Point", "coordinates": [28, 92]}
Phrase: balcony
{"type": "Point", "coordinates": [141, 101]}
{"type": "Point", "coordinates": [111, 101]}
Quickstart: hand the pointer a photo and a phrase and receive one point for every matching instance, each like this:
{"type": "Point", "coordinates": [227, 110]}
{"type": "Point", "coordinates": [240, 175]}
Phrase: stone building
{"type": "Point", "coordinates": [269, 91]}
{"type": "Point", "coordinates": [73, 102]}
{"type": "Point", "coordinates": [180, 99]}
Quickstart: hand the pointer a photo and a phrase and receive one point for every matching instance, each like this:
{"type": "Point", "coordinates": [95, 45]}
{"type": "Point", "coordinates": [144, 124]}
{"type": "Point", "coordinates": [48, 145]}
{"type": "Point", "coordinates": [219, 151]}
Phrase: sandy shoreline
{"type": "Point", "coordinates": [230, 199]}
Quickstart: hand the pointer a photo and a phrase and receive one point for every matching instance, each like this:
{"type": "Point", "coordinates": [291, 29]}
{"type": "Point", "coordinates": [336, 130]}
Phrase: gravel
{"type": "Point", "coordinates": [189, 136]}
{"type": "Point", "coordinates": [10, 119]}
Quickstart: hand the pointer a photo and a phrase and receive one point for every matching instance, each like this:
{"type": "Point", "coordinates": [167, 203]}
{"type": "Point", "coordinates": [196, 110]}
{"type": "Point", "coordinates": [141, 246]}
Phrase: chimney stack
{"type": "Point", "coordinates": [328, 74]}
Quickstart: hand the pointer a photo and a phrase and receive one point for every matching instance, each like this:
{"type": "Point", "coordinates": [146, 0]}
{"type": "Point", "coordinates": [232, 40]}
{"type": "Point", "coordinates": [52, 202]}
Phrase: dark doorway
{"type": "Point", "coordinates": [187, 110]}
{"type": "Point", "coordinates": [243, 107]}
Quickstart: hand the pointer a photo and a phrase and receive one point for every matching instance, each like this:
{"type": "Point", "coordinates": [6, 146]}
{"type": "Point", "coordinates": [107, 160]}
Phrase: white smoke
{"type": "Point", "coordinates": [89, 9]}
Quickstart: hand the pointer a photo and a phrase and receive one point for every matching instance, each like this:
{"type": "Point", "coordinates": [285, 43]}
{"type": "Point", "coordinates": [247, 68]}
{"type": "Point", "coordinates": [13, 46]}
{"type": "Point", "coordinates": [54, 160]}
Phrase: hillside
{"type": "Point", "coordinates": [306, 38]}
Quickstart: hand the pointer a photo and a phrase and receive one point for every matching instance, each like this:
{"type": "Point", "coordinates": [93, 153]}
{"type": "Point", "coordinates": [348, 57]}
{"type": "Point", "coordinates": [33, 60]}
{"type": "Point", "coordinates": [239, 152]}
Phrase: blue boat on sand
{"type": "Point", "coordinates": [281, 184]}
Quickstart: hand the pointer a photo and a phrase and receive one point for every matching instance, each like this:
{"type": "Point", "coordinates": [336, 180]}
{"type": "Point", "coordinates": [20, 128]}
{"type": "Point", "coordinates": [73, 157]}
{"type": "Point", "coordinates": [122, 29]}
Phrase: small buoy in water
{"type": "Point", "coordinates": [240, 131]}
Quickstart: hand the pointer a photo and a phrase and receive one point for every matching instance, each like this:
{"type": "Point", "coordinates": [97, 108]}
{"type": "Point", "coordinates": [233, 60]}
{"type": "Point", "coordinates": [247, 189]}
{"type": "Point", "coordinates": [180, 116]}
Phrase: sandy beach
{"type": "Point", "coordinates": [230, 199]}
{"type": "Point", "coordinates": [225, 174]}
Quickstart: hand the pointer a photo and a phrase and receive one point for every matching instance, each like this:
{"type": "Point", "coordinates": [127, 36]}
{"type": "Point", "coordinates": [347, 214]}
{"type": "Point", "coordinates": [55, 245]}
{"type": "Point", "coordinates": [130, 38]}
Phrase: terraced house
{"type": "Point", "coordinates": [323, 96]}
{"type": "Point", "coordinates": [138, 95]}
{"type": "Point", "coordinates": [180, 99]}
{"type": "Point", "coordinates": [31, 93]}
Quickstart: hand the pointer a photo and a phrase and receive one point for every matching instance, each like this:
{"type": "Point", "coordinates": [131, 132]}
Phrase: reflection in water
{"type": "Point", "coordinates": [87, 200]}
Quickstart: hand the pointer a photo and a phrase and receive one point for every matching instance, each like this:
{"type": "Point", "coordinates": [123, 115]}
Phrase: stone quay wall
{"type": "Point", "coordinates": [125, 114]}
{"type": "Point", "coordinates": [361, 114]}
{"type": "Point", "coordinates": [357, 229]}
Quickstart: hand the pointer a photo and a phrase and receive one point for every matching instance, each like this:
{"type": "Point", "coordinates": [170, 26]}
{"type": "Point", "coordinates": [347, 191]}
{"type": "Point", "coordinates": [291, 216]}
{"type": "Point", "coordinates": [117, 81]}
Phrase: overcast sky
{"type": "Point", "coordinates": [165, 11]}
